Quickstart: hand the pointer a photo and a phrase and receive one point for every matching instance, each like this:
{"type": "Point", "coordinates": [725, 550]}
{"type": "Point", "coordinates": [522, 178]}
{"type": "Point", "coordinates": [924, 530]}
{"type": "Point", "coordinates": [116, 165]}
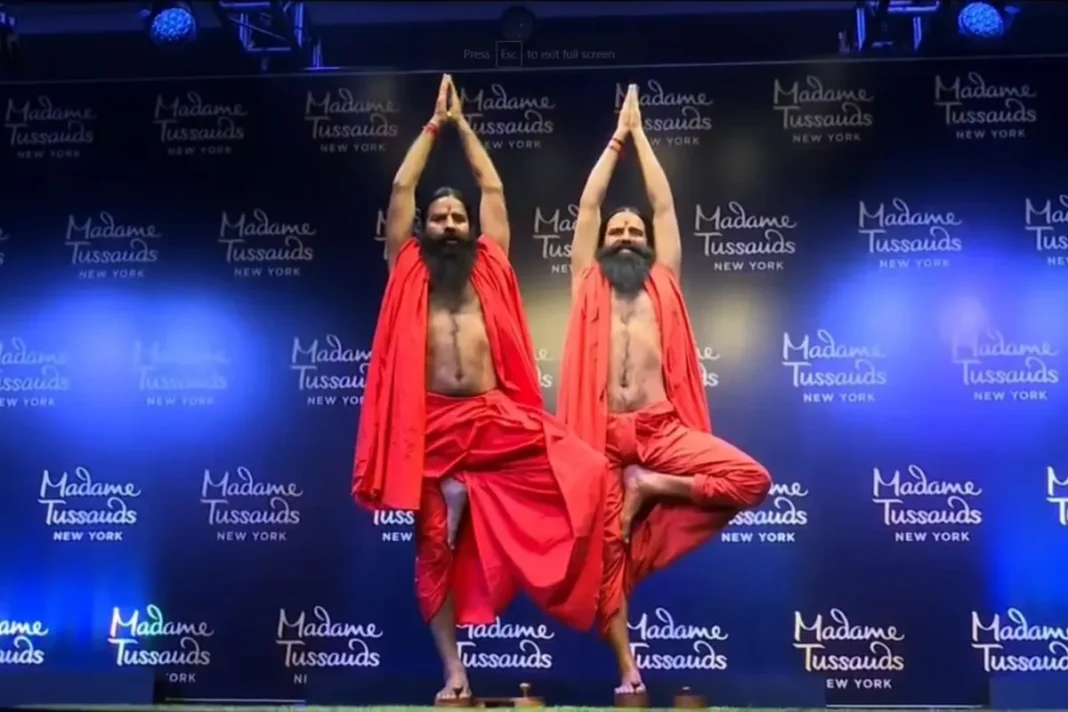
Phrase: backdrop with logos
{"type": "Point", "coordinates": [875, 262]}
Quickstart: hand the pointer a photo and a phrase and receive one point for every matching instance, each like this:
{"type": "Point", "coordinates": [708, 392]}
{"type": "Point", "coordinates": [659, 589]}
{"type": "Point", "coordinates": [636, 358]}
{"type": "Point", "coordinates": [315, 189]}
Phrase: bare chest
{"type": "Point", "coordinates": [633, 316]}
{"type": "Point", "coordinates": [455, 327]}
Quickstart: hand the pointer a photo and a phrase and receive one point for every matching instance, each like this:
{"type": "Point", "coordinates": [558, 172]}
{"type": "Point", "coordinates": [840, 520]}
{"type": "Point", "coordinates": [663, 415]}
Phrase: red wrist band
{"type": "Point", "coordinates": [431, 129]}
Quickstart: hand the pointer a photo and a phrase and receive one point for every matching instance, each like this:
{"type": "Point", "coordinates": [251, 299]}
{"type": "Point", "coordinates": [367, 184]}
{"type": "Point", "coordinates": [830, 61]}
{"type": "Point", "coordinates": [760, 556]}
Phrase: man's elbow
{"type": "Point", "coordinates": [663, 208]}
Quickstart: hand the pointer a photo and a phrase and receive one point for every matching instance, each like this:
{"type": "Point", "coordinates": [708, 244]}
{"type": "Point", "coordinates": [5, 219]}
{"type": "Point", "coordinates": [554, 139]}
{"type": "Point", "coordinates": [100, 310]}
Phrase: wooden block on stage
{"type": "Point", "coordinates": [687, 700]}
{"type": "Point", "coordinates": [456, 701]}
{"type": "Point", "coordinates": [524, 700]}
{"type": "Point", "coordinates": [633, 700]}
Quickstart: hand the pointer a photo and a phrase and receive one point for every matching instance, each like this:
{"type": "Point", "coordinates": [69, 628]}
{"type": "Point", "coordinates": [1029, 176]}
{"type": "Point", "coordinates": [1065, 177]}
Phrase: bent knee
{"type": "Point", "coordinates": [759, 484]}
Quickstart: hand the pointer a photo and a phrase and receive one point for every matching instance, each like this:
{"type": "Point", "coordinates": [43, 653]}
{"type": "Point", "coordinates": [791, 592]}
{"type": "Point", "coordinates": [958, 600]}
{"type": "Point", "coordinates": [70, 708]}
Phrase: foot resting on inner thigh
{"type": "Point", "coordinates": [455, 493]}
{"type": "Point", "coordinates": [637, 483]}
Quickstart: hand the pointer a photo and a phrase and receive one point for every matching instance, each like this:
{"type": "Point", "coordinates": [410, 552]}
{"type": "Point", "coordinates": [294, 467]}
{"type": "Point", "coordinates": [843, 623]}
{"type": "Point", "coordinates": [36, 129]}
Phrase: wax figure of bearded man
{"type": "Point", "coordinates": [631, 386]}
{"type": "Point", "coordinates": [453, 425]}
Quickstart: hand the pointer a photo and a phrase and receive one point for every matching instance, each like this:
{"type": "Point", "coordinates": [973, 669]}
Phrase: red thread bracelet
{"type": "Point", "coordinates": [431, 129]}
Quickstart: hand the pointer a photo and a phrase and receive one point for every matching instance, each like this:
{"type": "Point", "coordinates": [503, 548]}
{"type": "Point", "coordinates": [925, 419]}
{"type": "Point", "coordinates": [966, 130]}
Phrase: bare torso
{"type": "Point", "coordinates": [635, 375]}
{"type": "Point", "coordinates": [458, 358]}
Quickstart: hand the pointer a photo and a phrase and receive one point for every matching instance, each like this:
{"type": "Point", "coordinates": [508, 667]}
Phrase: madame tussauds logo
{"type": "Point", "coordinates": [318, 641]}
{"type": "Point", "coordinates": [173, 374]}
{"type": "Point", "coordinates": [30, 378]}
{"type": "Point", "coordinates": [739, 241]}
{"type": "Point", "coordinates": [1057, 495]}
{"type": "Point", "coordinates": [814, 114]}
{"type": "Point", "coordinates": [864, 656]}
{"type": "Point", "coordinates": [101, 248]}
{"type": "Point", "coordinates": [512, 121]}
{"type": "Point", "coordinates": [38, 129]}
{"type": "Point", "coordinates": [342, 123]}
{"type": "Point", "coordinates": [380, 229]}
{"type": "Point", "coordinates": [20, 642]}
{"type": "Point", "coordinates": [976, 110]}
{"type": "Point", "coordinates": [555, 230]}
{"type": "Point", "coordinates": [504, 120]}
{"type": "Point", "coordinates": [190, 126]}
{"type": "Point", "coordinates": [903, 239]}
{"type": "Point", "coordinates": [149, 639]}
{"type": "Point", "coordinates": [826, 371]}
{"type": "Point", "coordinates": [920, 510]}
{"type": "Point", "coordinates": [80, 508]}
{"type": "Point", "coordinates": [1045, 221]}
{"type": "Point", "coordinates": [1014, 644]}
{"type": "Point", "coordinates": [994, 369]}
{"type": "Point", "coordinates": [663, 644]}
{"type": "Point", "coordinates": [396, 526]}
{"type": "Point", "coordinates": [706, 359]}
{"type": "Point", "coordinates": [675, 119]}
{"type": "Point", "coordinates": [522, 649]}
{"type": "Point", "coordinates": [776, 522]}
{"type": "Point", "coordinates": [257, 246]}
{"type": "Point", "coordinates": [240, 508]}
{"type": "Point", "coordinates": [328, 373]}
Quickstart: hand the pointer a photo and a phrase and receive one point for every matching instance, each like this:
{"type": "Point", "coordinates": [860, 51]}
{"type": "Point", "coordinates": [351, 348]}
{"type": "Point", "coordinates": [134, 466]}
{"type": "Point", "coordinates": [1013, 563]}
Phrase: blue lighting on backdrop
{"type": "Point", "coordinates": [877, 295]}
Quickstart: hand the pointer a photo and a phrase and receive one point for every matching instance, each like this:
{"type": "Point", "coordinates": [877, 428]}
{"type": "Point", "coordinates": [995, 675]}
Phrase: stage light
{"type": "Point", "coordinates": [980, 20]}
{"type": "Point", "coordinates": [171, 23]}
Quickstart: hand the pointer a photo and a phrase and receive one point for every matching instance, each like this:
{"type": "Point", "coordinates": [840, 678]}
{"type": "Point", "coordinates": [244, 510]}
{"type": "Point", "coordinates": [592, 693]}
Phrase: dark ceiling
{"type": "Point", "coordinates": [92, 17]}
{"type": "Point", "coordinates": [85, 40]}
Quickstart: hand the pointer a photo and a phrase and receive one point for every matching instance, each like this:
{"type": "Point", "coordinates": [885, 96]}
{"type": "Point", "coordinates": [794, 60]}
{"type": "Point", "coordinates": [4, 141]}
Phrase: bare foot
{"type": "Point", "coordinates": [634, 478]}
{"type": "Point", "coordinates": [456, 687]}
{"type": "Point", "coordinates": [455, 494]}
{"type": "Point", "coordinates": [631, 684]}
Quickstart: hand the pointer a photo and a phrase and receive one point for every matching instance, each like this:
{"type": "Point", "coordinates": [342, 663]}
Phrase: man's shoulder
{"type": "Point", "coordinates": [663, 273]}
{"type": "Point", "coordinates": [492, 252]}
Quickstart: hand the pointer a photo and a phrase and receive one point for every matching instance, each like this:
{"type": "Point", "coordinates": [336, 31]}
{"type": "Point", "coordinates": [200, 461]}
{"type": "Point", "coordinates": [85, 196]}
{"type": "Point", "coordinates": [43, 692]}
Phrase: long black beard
{"type": "Point", "coordinates": [626, 269]}
{"type": "Point", "coordinates": [450, 263]}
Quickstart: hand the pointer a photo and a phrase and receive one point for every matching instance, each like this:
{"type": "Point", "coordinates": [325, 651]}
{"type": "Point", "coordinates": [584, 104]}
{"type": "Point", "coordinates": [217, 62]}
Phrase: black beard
{"type": "Point", "coordinates": [626, 270]}
{"type": "Point", "coordinates": [450, 264]}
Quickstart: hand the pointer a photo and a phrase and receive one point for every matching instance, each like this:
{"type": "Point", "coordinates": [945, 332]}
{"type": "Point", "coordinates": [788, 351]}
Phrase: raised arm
{"type": "Point", "coordinates": [492, 209]}
{"type": "Point", "coordinates": [401, 212]}
{"type": "Point", "coordinates": [588, 222]}
{"type": "Point", "coordinates": [668, 242]}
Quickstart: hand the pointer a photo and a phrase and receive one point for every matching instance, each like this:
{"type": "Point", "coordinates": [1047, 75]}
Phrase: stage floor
{"type": "Point", "coordinates": [290, 708]}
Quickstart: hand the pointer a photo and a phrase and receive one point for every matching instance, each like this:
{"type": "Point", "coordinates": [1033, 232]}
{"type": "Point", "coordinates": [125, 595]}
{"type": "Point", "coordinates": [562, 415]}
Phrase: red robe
{"type": "Point", "coordinates": [673, 437]}
{"type": "Point", "coordinates": [535, 491]}
{"type": "Point", "coordinates": [582, 402]}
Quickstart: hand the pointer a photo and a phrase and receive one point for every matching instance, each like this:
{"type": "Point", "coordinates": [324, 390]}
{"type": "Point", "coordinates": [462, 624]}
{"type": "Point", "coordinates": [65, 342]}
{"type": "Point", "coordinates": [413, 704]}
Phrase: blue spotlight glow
{"type": "Point", "coordinates": [173, 26]}
{"type": "Point", "coordinates": [980, 20]}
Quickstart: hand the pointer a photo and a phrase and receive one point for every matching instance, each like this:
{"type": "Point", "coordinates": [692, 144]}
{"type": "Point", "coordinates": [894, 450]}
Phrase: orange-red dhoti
{"type": "Point", "coordinates": [525, 475]}
{"type": "Point", "coordinates": [725, 481]}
